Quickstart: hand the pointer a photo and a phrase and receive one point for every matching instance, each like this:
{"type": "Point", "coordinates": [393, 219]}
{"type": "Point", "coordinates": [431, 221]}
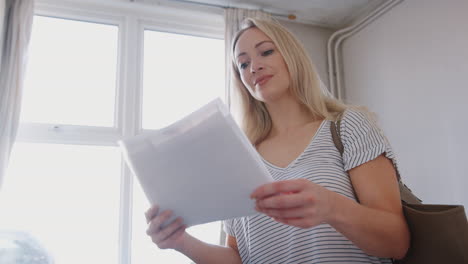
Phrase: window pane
{"type": "Point", "coordinates": [144, 251]}
{"type": "Point", "coordinates": [65, 197]}
{"type": "Point", "coordinates": [71, 74]}
{"type": "Point", "coordinates": [181, 73]}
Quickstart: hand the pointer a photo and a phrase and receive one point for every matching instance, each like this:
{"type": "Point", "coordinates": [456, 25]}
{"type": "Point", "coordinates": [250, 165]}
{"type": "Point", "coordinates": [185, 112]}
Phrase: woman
{"type": "Point", "coordinates": [323, 207]}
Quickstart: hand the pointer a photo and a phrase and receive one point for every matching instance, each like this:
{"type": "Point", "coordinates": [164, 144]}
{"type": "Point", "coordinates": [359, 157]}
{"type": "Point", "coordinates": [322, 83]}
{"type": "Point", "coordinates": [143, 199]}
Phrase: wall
{"type": "Point", "coordinates": [411, 67]}
{"type": "Point", "coordinates": [315, 41]}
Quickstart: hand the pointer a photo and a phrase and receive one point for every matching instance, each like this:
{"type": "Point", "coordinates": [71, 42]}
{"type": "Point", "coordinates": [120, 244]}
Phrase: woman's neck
{"type": "Point", "coordinates": [288, 115]}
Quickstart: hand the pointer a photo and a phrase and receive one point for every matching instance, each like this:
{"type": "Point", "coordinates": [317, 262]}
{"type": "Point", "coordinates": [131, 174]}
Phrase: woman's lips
{"type": "Point", "coordinates": [262, 80]}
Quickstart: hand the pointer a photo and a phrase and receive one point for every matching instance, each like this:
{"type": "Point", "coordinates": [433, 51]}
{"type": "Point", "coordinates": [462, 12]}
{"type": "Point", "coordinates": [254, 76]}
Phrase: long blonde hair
{"type": "Point", "coordinates": [305, 83]}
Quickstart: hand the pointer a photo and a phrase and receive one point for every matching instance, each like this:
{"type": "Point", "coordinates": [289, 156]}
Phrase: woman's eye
{"type": "Point", "coordinates": [268, 52]}
{"type": "Point", "coordinates": [243, 65]}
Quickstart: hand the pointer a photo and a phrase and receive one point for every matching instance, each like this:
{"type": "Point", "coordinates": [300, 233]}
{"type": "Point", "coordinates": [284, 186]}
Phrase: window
{"type": "Point", "coordinates": [66, 197]}
{"type": "Point", "coordinates": [67, 190]}
{"type": "Point", "coordinates": [180, 74]}
{"type": "Point", "coordinates": [71, 73]}
{"type": "Point", "coordinates": [182, 70]}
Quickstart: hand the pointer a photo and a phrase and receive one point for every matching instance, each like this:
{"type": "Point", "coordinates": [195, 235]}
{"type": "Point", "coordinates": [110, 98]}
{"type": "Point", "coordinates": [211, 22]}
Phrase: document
{"type": "Point", "coordinates": [202, 167]}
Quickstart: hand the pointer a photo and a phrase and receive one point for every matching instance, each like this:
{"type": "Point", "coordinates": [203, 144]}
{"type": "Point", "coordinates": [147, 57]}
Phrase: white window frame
{"type": "Point", "coordinates": [132, 18]}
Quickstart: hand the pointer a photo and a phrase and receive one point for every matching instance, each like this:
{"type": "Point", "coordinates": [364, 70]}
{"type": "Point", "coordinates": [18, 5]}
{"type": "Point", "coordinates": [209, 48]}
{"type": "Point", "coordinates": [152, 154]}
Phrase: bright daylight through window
{"type": "Point", "coordinates": [181, 73]}
{"type": "Point", "coordinates": [62, 199]}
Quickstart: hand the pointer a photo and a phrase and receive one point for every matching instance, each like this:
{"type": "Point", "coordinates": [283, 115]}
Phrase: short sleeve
{"type": "Point", "coordinates": [228, 226]}
{"type": "Point", "coordinates": [362, 139]}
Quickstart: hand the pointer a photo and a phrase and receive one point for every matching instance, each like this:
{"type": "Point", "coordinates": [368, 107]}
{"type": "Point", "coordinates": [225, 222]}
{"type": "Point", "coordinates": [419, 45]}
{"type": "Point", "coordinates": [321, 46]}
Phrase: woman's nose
{"type": "Point", "coordinates": [255, 66]}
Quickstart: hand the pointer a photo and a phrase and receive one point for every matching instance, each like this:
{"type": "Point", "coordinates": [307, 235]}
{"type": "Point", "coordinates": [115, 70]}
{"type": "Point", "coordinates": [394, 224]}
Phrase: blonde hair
{"type": "Point", "coordinates": [305, 82]}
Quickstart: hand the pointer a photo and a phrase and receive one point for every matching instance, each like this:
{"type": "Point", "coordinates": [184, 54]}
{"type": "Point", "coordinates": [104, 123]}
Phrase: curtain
{"type": "Point", "coordinates": [2, 22]}
{"type": "Point", "coordinates": [233, 18]}
{"type": "Point", "coordinates": [15, 36]}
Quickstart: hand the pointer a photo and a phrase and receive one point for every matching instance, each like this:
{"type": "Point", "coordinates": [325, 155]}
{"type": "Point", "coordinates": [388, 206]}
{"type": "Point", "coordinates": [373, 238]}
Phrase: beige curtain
{"type": "Point", "coordinates": [14, 37]}
{"type": "Point", "coordinates": [233, 18]}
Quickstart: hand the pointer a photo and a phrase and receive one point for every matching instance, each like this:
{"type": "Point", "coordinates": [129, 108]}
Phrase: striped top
{"type": "Point", "coordinates": [260, 239]}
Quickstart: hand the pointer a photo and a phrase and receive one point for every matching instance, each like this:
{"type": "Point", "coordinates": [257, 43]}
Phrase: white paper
{"type": "Point", "coordinates": [202, 167]}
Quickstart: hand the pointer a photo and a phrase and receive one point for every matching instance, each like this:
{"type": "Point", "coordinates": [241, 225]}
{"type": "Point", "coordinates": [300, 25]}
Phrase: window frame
{"type": "Point", "coordinates": [132, 19]}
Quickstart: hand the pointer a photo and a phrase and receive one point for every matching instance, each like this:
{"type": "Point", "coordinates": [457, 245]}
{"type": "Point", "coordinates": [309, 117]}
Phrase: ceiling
{"type": "Point", "coordinates": [326, 13]}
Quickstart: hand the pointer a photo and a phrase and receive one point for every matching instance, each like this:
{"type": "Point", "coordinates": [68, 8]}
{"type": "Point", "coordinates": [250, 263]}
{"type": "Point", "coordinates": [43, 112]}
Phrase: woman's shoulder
{"type": "Point", "coordinates": [355, 113]}
{"type": "Point", "coordinates": [357, 118]}
{"type": "Point", "coordinates": [363, 140]}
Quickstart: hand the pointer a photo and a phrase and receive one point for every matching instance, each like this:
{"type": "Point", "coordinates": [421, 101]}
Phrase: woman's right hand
{"type": "Point", "coordinates": [171, 236]}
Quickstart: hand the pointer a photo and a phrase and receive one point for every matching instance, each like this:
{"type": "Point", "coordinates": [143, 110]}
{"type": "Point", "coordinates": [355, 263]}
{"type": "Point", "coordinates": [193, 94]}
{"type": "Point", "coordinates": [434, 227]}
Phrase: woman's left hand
{"type": "Point", "coordinates": [299, 203]}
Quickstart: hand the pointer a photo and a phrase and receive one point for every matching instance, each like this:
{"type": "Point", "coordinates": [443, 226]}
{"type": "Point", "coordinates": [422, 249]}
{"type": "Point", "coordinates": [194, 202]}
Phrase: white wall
{"type": "Point", "coordinates": [411, 67]}
{"type": "Point", "coordinates": [314, 40]}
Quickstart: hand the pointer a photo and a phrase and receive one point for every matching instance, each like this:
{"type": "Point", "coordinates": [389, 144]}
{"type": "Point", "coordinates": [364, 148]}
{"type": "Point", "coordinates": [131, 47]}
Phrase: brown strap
{"type": "Point", "coordinates": [335, 132]}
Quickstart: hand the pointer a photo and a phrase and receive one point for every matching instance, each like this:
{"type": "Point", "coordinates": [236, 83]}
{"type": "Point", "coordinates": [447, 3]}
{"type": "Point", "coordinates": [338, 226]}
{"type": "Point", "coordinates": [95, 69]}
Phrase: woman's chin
{"type": "Point", "coordinates": [269, 96]}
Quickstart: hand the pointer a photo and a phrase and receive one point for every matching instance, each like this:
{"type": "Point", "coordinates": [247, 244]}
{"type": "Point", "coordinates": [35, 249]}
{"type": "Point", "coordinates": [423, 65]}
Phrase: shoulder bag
{"type": "Point", "coordinates": [439, 233]}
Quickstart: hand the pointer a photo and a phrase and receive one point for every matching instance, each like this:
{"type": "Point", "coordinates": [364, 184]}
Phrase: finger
{"type": "Point", "coordinates": [286, 201]}
{"type": "Point", "coordinates": [155, 224]}
{"type": "Point", "coordinates": [167, 232]}
{"type": "Point", "coordinates": [179, 231]}
{"type": "Point", "coordinates": [167, 243]}
{"type": "Point", "coordinates": [278, 187]}
{"type": "Point", "coordinates": [151, 213]}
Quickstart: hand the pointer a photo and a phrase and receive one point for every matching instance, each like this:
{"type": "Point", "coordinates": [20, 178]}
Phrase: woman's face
{"type": "Point", "coordinates": [262, 68]}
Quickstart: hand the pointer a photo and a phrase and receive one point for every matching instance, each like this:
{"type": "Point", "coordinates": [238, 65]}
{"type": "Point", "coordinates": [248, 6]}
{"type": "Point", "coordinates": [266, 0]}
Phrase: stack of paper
{"type": "Point", "coordinates": [202, 167]}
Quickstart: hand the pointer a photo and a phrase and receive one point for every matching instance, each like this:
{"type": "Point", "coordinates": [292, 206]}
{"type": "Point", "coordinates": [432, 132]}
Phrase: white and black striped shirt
{"type": "Point", "coordinates": [262, 240]}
